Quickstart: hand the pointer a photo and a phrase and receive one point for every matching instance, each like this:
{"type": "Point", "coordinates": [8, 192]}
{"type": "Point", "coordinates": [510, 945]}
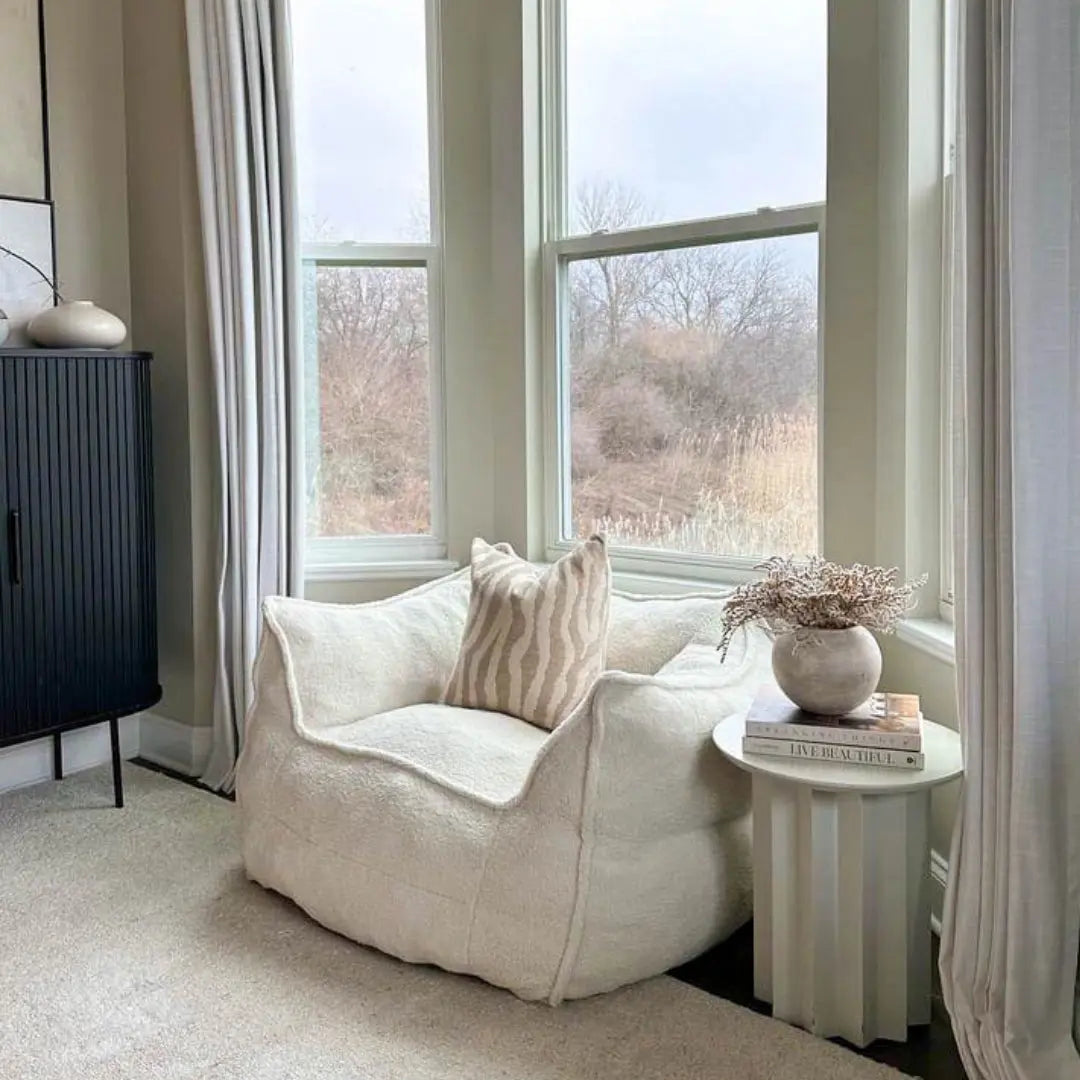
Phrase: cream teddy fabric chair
{"type": "Point", "coordinates": [556, 864]}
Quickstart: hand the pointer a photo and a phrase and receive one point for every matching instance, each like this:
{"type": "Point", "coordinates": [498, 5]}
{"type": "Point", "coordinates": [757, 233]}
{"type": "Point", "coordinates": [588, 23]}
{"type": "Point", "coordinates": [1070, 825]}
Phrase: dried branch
{"type": "Point", "coordinates": [817, 593]}
{"type": "Point", "coordinates": [37, 270]}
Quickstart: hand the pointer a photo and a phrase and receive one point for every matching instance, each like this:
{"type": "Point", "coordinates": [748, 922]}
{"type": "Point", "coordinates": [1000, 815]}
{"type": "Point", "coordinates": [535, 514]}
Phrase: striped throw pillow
{"type": "Point", "coordinates": [534, 639]}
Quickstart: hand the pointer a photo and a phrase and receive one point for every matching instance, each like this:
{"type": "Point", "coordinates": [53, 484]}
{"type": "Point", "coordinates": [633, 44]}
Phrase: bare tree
{"type": "Point", "coordinates": [373, 399]}
{"type": "Point", "coordinates": [611, 291]}
{"type": "Point", "coordinates": [695, 287]}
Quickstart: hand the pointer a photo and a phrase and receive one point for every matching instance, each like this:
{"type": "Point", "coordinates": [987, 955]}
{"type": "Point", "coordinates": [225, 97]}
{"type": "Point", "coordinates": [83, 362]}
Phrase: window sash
{"type": "Point", "coordinates": [762, 224]}
{"type": "Point", "coordinates": [322, 551]}
{"type": "Point", "coordinates": [560, 248]}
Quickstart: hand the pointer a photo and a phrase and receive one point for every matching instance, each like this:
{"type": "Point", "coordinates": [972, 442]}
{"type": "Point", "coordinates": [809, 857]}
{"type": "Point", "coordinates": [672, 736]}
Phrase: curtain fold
{"type": "Point", "coordinates": [241, 69]}
{"type": "Point", "coordinates": [1012, 909]}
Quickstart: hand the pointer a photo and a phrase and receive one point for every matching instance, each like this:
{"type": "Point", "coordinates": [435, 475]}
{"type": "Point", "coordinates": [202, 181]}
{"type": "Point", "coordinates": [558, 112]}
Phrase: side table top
{"type": "Point", "coordinates": [941, 747]}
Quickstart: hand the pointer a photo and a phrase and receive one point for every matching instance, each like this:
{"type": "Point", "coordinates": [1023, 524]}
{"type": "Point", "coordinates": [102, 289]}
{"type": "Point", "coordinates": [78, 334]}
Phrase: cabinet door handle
{"type": "Point", "coordinates": [15, 550]}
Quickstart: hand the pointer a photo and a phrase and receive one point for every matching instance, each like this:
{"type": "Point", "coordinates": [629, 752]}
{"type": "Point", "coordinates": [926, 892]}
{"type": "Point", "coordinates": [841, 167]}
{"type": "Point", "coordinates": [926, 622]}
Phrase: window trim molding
{"type": "Point", "coordinates": [934, 637]}
{"type": "Point", "coordinates": [390, 570]}
{"type": "Point", "coordinates": [947, 389]}
{"type": "Point", "coordinates": [357, 555]}
{"type": "Point", "coordinates": [377, 548]}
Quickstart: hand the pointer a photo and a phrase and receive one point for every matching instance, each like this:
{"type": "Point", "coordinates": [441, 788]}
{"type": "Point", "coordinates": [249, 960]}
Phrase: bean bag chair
{"type": "Point", "coordinates": [555, 864]}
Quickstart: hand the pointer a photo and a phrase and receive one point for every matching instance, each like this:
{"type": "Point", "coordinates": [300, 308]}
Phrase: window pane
{"type": "Point", "coordinates": [368, 419]}
{"type": "Point", "coordinates": [362, 130]}
{"type": "Point", "coordinates": [693, 397]}
{"type": "Point", "coordinates": [693, 108]}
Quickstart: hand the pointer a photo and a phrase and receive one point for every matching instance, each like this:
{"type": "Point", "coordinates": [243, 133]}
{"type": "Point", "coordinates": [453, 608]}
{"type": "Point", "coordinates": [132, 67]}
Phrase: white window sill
{"type": "Point", "coordinates": [668, 584]}
{"type": "Point", "coordinates": [383, 570]}
{"type": "Point", "coordinates": [935, 637]}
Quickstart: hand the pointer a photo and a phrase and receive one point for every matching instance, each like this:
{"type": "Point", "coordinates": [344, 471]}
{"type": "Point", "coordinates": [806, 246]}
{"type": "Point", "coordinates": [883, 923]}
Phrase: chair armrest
{"type": "Point", "coordinates": [652, 766]}
{"type": "Point", "coordinates": [347, 662]}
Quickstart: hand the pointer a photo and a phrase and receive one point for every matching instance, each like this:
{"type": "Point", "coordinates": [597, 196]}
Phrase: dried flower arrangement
{"type": "Point", "coordinates": [814, 592]}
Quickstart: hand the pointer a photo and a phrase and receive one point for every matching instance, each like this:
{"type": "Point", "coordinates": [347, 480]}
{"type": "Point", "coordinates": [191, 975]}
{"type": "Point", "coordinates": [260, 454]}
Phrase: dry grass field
{"type": "Point", "coordinates": [751, 490]}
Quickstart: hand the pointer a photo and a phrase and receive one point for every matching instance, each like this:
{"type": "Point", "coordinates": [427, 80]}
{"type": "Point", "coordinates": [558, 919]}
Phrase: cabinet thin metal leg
{"type": "Point", "coordinates": [118, 782]}
{"type": "Point", "coordinates": [58, 756]}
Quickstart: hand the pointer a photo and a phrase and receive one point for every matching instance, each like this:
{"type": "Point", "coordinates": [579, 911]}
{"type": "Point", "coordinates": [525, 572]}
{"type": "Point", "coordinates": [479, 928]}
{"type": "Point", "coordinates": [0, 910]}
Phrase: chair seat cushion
{"type": "Point", "coordinates": [488, 754]}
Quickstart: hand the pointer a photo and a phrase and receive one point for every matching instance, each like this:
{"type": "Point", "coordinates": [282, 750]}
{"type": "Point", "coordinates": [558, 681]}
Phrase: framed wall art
{"type": "Point", "coordinates": [24, 150]}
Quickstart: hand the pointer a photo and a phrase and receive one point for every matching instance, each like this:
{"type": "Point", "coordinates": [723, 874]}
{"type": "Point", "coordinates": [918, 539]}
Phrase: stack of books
{"type": "Point", "coordinates": [886, 730]}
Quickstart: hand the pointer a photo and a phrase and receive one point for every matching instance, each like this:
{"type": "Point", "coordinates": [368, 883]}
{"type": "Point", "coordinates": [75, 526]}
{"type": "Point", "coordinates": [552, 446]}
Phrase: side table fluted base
{"type": "Point", "coordinates": [842, 908]}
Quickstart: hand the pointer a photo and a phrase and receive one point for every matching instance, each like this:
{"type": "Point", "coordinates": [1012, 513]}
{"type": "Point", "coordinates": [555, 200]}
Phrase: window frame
{"type": "Point", "coordinates": [946, 558]}
{"type": "Point", "coordinates": [559, 248]}
{"type": "Point", "coordinates": [335, 557]}
{"type": "Point", "coordinates": [949, 90]}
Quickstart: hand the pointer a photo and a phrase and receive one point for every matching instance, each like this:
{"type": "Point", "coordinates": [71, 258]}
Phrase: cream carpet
{"type": "Point", "coordinates": [131, 945]}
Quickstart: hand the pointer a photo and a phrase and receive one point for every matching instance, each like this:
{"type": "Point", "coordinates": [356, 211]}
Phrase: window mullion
{"type": "Point", "coordinates": [350, 254]}
{"type": "Point", "coordinates": [556, 200]}
{"type": "Point", "coordinates": [760, 225]}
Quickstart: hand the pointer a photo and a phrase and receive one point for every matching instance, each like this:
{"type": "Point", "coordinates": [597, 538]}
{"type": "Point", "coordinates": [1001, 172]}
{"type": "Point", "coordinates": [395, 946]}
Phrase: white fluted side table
{"type": "Point", "coordinates": [842, 887]}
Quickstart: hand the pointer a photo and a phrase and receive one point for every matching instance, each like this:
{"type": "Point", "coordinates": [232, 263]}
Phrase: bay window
{"type": "Point", "coordinates": [685, 156]}
{"type": "Point", "coordinates": [566, 271]}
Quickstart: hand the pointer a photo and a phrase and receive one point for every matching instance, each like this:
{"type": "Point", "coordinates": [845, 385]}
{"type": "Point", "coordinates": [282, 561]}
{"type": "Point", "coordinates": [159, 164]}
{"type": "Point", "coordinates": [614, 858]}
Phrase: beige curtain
{"type": "Point", "coordinates": [1012, 911]}
{"type": "Point", "coordinates": [242, 101]}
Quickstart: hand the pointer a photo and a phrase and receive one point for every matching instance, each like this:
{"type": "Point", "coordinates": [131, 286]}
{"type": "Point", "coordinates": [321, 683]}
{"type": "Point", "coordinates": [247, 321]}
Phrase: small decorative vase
{"type": "Point", "coordinates": [829, 672]}
{"type": "Point", "coordinates": [5, 326]}
{"type": "Point", "coordinates": [76, 324]}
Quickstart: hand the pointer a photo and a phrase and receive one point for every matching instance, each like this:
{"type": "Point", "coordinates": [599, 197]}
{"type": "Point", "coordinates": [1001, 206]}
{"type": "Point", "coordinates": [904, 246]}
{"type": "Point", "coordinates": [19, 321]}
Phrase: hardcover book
{"type": "Point", "coordinates": [836, 752]}
{"type": "Point", "coordinates": [887, 721]}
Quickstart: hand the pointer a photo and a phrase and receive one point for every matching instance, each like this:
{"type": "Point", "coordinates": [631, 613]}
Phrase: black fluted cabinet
{"type": "Point", "coordinates": [78, 626]}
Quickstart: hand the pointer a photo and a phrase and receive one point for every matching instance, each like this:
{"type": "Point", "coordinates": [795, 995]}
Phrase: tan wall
{"type": "Point", "coordinates": [168, 317]}
{"type": "Point", "coordinates": [84, 42]}
{"type": "Point", "coordinates": [935, 681]}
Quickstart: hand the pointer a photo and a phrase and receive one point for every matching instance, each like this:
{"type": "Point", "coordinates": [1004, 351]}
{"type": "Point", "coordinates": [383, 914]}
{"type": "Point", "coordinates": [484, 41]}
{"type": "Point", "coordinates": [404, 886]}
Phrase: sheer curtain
{"type": "Point", "coordinates": [240, 61]}
{"type": "Point", "coordinates": [1012, 912]}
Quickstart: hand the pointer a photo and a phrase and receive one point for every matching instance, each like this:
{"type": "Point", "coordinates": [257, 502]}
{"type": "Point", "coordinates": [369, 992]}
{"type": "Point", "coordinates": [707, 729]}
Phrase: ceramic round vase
{"type": "Point", "coordinates": [76, 324]}
{"type": "Point", "coordinates": [829, 672]}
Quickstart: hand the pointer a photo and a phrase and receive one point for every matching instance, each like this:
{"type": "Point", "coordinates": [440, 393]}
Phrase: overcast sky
{"type": "Point", "coordinates": [703, 107]}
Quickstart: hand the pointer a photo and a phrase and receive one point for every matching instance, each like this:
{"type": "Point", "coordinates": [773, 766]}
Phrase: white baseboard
{"type": "Point", "coordinates": [177, 746]}
{"type": "Point", "coordinates": [32, 762]}
{"type": "Point", "coordinates": [180, 747]}
{"type": "Point", "coordinates": [939, 874]}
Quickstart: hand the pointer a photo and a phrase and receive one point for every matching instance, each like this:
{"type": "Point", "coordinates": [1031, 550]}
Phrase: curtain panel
{"type": "Point", "coordinates": [1012, 910]}
{"type": "Point", "coordinates": [241, 70]}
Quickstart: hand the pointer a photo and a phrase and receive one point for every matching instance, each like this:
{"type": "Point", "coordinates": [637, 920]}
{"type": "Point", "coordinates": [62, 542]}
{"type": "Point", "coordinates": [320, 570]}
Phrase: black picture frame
{"type": "Point", "coordinates": [43, 71]}
{"type": "Point", "coordinates": [27, 227]}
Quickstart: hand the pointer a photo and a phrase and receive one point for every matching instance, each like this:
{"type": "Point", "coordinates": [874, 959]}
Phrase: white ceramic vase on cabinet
{"type": "Point", "coordinates": [77, 324]}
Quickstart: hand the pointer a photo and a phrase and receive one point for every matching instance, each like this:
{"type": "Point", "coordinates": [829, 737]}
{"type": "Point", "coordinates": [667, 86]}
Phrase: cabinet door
{"type": "Point", "coordinates": [23, 680]}
{"type": "Point", "coordinates": [77, 621]}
